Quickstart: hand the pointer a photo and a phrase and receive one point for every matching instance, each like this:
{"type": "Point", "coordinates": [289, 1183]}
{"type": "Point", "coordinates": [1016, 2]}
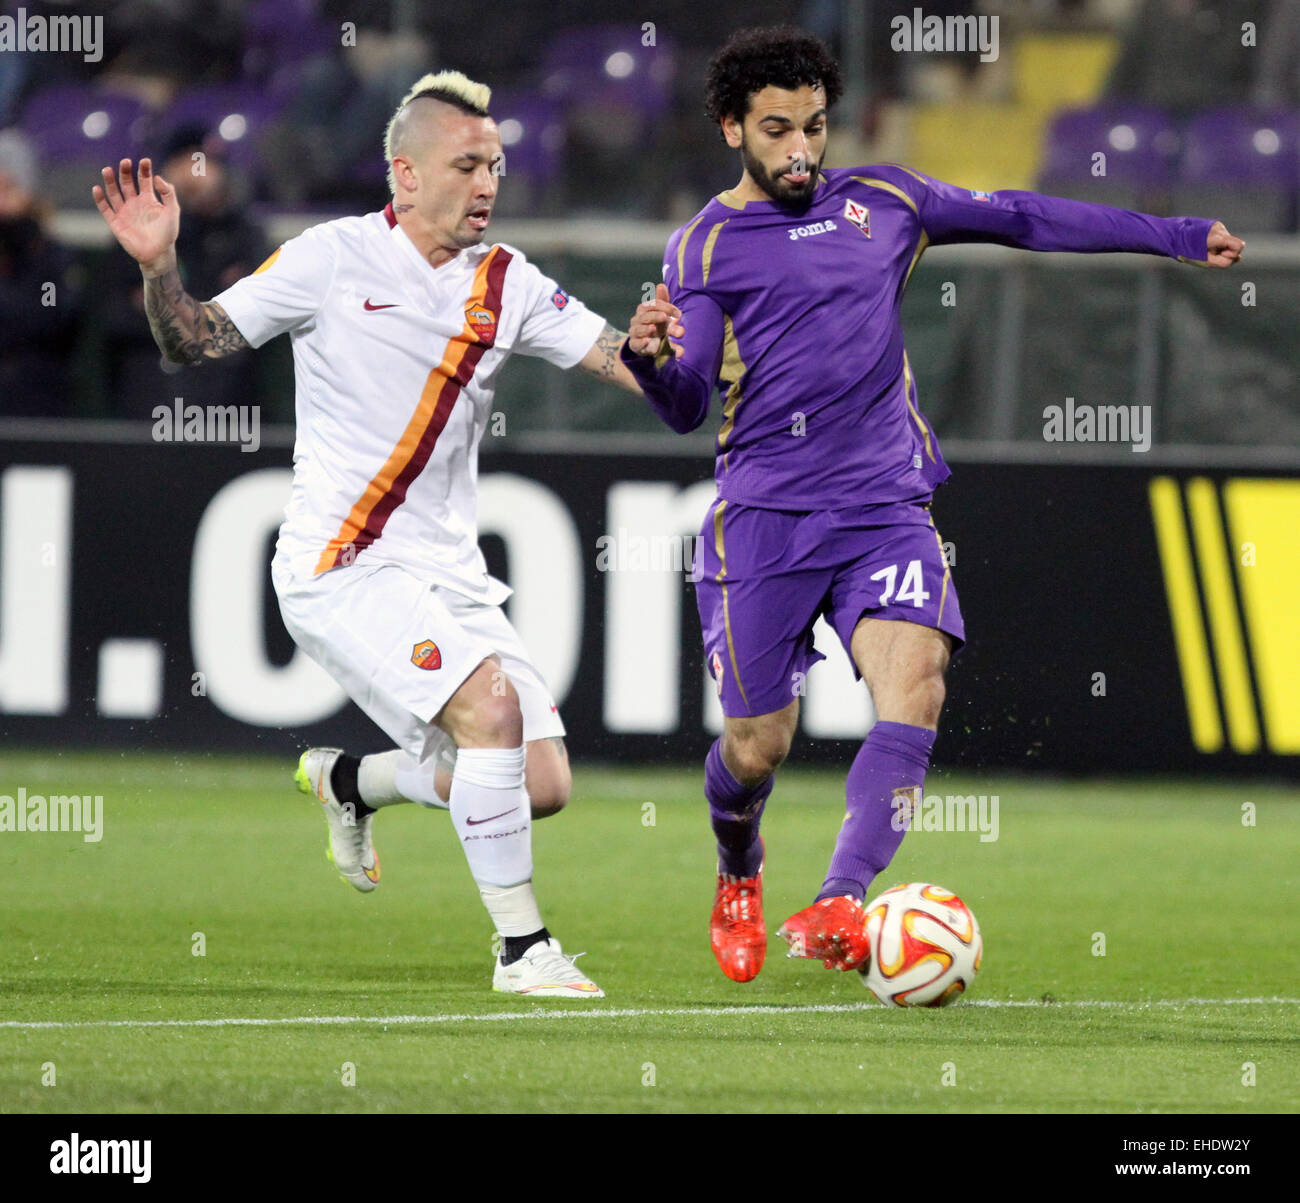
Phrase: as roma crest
{"type": "Point", "coordinates": [859, 215]}
{"type": "Point", "coordinates": [483, 322]}
{"type": "Point", "coordinates": [425, 654]}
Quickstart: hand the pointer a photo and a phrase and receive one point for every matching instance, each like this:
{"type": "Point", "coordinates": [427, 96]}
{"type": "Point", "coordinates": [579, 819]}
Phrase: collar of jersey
{"type": "Point", "coordinates": [429, 272]}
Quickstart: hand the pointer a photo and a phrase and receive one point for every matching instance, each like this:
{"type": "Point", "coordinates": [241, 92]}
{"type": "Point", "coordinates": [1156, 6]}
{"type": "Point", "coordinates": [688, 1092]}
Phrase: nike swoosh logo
{"type": "Point", "coordinates": [476, 822]}
{"type": "Point", "coordinates": [372, 308]}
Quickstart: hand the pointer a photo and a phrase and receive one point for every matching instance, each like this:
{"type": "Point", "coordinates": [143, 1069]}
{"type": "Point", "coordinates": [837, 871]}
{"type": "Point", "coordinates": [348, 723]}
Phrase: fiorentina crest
{"type": "Point", "coordinates": [859, 215]}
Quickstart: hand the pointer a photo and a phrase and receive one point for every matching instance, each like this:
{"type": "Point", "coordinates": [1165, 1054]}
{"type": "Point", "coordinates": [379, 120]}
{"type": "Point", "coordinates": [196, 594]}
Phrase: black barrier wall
{"type": "Point", "coordinates": [1119, 617]}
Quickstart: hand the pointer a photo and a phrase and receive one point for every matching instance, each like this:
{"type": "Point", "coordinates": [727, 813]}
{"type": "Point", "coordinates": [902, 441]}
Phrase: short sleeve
{"type": "Point", "coordinates": [556, 326]}
{"type": "Point", "coordinates": [285, 292]}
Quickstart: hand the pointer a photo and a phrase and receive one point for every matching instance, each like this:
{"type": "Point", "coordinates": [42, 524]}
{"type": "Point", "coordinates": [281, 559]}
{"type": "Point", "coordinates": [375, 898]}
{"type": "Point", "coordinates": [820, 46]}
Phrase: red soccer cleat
{"type": "Point", "coordinates": [736, 929]}
{"type": "Point", "coordinates": [833, 931]}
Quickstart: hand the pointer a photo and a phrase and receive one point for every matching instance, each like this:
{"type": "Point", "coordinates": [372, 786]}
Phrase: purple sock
{"type": "Point", "coordinates": [735, 811]}
{"type": "Point", "coordinates": [891, 762]}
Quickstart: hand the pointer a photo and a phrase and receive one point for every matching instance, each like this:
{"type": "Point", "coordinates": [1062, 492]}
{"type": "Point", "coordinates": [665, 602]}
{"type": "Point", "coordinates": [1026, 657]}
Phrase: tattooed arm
{"type": "Point", "coordinates": [145, 218]}
{"type": "Point", "coordinates": [186, 330]}
{"type": "Point", "coordinates": [602, 360]}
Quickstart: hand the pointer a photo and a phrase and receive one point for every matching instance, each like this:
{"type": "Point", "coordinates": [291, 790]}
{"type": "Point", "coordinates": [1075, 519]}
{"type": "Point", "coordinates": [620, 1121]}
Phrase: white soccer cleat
{"type": "Point", "coordinates": [350, 849]}
{"type": "Point", "coordinates": [544, 971]}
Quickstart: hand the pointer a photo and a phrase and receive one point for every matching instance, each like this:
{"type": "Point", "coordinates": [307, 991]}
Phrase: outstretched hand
{"type": "Point", "coordinates": [144, 223]}
{"type": "Point", "coordinates": [653, 322]}
{"type": "Point", "coordinates": [1224, 248]}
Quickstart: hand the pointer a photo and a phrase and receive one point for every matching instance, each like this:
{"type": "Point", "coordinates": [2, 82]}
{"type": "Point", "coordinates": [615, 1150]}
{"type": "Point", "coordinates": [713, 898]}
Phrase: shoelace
{"type": "Point", "coordinates": [731, 906]}
{"type": "Point", "coordinates": [560, 965]}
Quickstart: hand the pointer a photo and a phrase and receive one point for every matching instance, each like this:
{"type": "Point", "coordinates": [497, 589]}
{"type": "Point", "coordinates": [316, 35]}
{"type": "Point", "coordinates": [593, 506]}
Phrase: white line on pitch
{"type": "Point", "coordinates": [620, 1013]}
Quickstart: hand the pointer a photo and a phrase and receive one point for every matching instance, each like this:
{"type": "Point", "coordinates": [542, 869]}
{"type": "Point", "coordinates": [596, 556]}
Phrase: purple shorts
{"type": "Point", "coordinates": [762, 578]}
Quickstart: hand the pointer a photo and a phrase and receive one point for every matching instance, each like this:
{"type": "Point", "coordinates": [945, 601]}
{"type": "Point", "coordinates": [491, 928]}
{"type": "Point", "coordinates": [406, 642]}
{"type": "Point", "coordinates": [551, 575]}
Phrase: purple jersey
{"type": "Point", "coordinates": [795, 318]}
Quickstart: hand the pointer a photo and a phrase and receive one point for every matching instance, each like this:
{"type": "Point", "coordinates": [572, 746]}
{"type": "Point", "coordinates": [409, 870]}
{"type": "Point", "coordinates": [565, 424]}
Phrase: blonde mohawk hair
{"type": "Point", "coordinates": [451, 87]}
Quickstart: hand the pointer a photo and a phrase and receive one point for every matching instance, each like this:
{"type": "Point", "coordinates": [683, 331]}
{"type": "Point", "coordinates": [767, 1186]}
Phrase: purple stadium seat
{"type": "Point", "coordinates": [1140, 145]}
{"type": "Point", "coordinates": [280, 34]}
{"type": "Point", "coordinates": [1243, 166]}
{"type": "Point", "coordinates": [532, 134]}
{"type": "Point", "coordinates": [238, 113]}
{"type": "Point", "coordinates": [605, 72]}
{"type": "Point", "coordinates": [77, 130]}
{"type": "Point", "coordinates": [74, 121]}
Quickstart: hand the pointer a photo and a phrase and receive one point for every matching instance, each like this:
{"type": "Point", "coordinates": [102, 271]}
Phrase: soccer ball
{"type": "Point", "coordinates": [925, 946]}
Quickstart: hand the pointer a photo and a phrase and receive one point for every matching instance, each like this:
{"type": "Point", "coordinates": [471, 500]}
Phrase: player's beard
{"type": "Point", "coordinates": [789, 196]}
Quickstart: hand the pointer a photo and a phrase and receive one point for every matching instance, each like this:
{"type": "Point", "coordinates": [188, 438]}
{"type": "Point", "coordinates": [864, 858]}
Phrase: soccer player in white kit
{"type": "Point", "coordinates": [401, 321]}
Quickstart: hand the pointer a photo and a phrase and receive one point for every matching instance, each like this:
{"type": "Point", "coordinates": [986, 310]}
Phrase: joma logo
{"type": "Point", "coordinates": [818, 227]}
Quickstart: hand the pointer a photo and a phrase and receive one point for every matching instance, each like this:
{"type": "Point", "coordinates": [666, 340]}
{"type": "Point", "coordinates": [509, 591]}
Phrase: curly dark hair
{"type": "Point", "coordinates": [753, 59]}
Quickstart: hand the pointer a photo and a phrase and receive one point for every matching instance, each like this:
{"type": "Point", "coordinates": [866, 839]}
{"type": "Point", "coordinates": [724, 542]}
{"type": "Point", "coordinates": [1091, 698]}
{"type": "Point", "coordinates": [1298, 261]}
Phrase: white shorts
{"type": "Point", "coordinates": [401, 647]}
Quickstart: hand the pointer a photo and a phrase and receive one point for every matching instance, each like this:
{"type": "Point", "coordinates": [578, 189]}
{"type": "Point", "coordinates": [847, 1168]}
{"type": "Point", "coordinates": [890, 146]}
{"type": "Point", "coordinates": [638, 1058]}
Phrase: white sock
{"type": "Point", "coordinates": [377, 779]}
{"type": "Point", "coordinates": [513, 910]}
{"type": "Point", "coordinates": [389, 778]}
{"type": "Point", "coordinates": [492, 816]}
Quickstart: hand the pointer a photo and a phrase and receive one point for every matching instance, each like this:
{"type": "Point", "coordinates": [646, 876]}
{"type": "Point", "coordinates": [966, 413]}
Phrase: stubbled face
{"type": "Point", "coordinates": [450, 174]}
{"type": "Point", "coordinates": [782, 141]}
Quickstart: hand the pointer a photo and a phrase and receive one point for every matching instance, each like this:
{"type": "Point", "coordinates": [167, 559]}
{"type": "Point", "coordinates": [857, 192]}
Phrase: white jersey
{"type": "Point", "coordinates": [395, 363]}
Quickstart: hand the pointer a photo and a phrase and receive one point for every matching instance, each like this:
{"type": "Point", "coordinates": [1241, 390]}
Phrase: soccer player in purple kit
{"type": "Point", "coordinates": [784, 292]}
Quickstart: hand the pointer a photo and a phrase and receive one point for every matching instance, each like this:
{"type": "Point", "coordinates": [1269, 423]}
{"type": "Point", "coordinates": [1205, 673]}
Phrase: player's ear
{"type": "Point", "coordinates": [404, 173]}
{"type": "Point", "coordinates": [732, 131]}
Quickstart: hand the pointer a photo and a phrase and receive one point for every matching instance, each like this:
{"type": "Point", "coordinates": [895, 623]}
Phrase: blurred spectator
{"type": "Point", "coordinates": [1187, 55]}
{"type": "Point", "coordinates": [38, 300]}
{"type": "Point", "coordinates": [218, 244]}
{"type": "Point", "coordinates": [327, 147]}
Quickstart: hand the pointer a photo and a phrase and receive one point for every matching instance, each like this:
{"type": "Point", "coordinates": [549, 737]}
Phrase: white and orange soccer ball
{"type": "Point", "coordinates": [925, 946]}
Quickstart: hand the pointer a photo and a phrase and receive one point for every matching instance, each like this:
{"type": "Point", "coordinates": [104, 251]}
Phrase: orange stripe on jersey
{"type": "Point", "coordinates": [365, 523]}
{"type": "Point", "coordinates": [271, 258]}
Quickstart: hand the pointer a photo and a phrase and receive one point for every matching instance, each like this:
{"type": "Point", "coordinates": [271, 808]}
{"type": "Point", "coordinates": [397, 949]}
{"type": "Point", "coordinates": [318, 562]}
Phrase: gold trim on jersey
{"type": "Point", "coordinates": [921, 244]}
{"type": "Point", "coordinates": [706, 260]}
{"type": "Point", "coordinates": [681, 250]}
{"type": "Point", "coordinates": [720, 547]}
{"type": "Point", "coordinates": [888, 187]}
{"type": "Point", "coordinates": [947, 572]}
{"type": "Point", "coordinates": [915, 175]}
{"type": "Point", "coordinates": [916, 417]}
{"type": "Point", "coordinates": [733, 369]}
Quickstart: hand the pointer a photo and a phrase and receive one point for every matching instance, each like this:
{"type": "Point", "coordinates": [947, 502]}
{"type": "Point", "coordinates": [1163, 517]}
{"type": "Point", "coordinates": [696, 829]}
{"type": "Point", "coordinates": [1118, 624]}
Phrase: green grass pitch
{"type": "Point", "coordinates": [1200, 980]}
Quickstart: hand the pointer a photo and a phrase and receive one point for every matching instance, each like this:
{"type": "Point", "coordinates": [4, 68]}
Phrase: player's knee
{"type": "Point", "coordinates": [495, 722]}
{"type": "Point", "coordinates": [549, 791]}
{"type": "Point", "coordinates": [547, 803]}
{"type": "Point", "coordinates": [753, 760]}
